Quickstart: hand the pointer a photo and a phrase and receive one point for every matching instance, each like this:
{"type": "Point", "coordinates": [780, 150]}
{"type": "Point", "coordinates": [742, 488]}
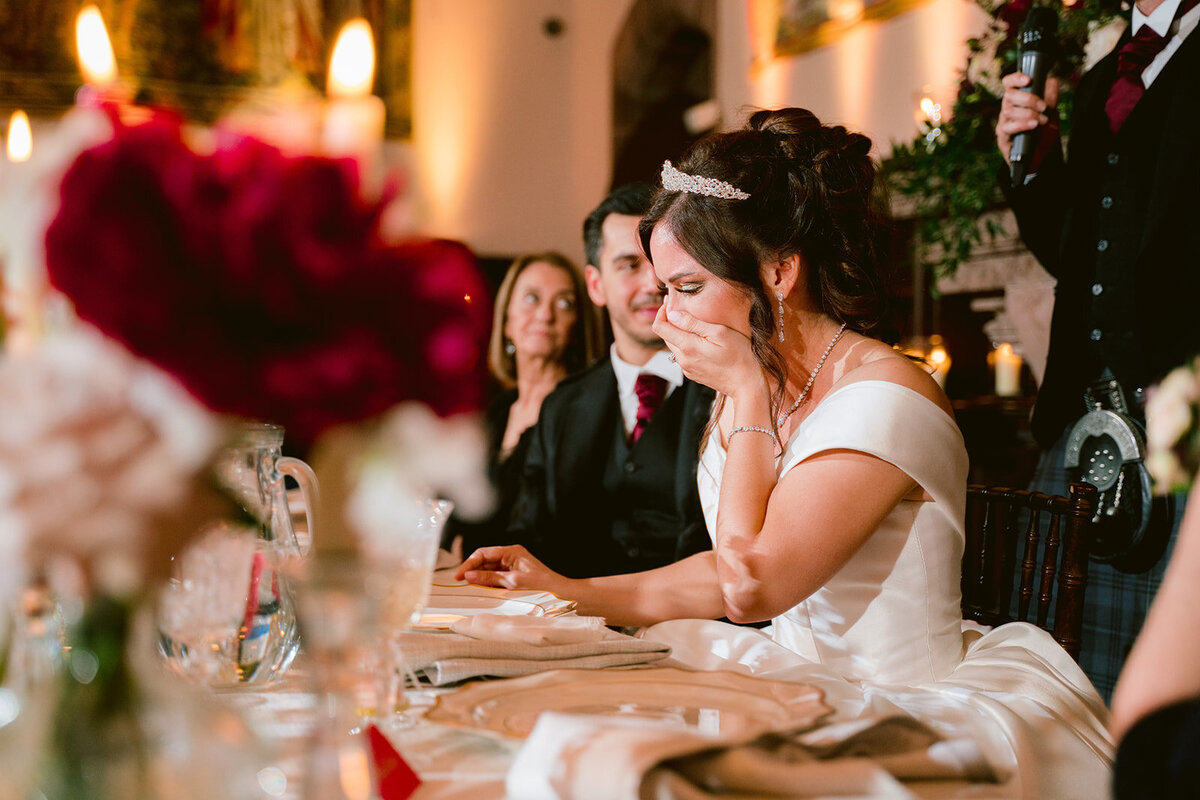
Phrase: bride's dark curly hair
{"type": "Point", "coordinates": [812, 191]}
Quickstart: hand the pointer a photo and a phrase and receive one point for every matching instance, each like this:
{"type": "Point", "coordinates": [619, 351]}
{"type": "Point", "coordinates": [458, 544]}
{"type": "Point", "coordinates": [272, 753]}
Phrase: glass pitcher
{"type": "Point", "coordinates": [253, 469]}
{"type": "Point", "coordinates": [223, 629]}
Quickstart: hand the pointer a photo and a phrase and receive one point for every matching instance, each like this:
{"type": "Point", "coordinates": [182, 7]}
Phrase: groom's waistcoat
{"type": "Point", "coordinates": [591, 503]}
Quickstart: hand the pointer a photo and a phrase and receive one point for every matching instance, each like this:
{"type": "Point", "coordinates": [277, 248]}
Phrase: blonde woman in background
{"type": "Point", "coordinates": [544, 329]}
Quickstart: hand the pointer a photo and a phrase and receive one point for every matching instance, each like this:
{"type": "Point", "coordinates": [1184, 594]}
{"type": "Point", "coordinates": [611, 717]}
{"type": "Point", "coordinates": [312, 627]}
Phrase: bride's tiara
{"type": "Point", "coordinates": [676, 181]}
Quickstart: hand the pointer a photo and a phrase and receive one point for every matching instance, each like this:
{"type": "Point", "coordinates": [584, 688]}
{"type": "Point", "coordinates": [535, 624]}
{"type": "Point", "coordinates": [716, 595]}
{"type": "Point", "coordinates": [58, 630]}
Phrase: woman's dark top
{"type": "Point", "coordinates": [1159, 759]}
{"type": "Point", "coordinates": [505, 475]}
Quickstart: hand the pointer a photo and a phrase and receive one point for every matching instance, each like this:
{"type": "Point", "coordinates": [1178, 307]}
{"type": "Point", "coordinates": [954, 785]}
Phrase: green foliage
{"type": "Point", "coordinates": [951, 178]}
{"type": "Point", "coordinates": [950, 171]}
{"type": "Point", "coordinates": [99, 749]}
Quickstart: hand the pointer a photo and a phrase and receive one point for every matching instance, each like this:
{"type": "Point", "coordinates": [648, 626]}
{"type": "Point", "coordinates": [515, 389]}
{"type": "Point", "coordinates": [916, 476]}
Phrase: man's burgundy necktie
{"type": "Point", "coordinates": [650, 391]}
{"type": "Point", "coordinates": [1132, 59]}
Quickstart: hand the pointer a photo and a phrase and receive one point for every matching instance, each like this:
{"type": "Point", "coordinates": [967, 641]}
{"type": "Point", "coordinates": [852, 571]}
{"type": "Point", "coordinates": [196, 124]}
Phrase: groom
{"type": "Point", "coordinates": [1115, 223]}
{"type": "Point", "coordinates": [609, 484]}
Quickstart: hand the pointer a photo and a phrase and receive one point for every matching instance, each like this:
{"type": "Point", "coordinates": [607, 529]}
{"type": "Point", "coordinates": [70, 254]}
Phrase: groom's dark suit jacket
{"type": "Point", "coordinates": [1118, 224]}
{"type": "Point", "coordinates": [591, 503]}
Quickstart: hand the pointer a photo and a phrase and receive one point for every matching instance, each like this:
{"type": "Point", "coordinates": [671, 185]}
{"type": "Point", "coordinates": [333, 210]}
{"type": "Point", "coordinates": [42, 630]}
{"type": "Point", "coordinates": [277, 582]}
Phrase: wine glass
{"type": "Point", "coordinates": [338, 601]}
{"type": "Point", "coordinates": [403, 550]}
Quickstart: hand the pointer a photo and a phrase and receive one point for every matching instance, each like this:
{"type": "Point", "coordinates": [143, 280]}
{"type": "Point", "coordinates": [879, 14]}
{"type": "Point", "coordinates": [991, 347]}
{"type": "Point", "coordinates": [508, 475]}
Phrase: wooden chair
{"type": "Point", "coordinates": [1002, 521]}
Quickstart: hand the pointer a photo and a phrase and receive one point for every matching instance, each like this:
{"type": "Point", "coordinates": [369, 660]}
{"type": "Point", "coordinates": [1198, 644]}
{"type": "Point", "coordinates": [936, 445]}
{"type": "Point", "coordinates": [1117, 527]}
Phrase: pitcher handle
{"type": "Point", "coordinates": [307, 479]}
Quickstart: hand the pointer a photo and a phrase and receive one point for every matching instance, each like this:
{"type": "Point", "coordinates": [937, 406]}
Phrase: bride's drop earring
{"type": "Point", "coordinates": [780, 296]}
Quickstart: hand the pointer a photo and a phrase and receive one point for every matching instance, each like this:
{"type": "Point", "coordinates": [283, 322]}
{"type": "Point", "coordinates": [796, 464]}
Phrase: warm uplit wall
{"type": "Point", "coordinates": [871, 80]}
{"type": "Point", "coordinates": [511, 128]}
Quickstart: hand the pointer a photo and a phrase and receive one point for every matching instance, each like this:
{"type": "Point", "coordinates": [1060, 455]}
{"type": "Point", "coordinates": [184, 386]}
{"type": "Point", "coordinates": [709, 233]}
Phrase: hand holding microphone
{"type": "Point", "coordinates": [1023, 108]}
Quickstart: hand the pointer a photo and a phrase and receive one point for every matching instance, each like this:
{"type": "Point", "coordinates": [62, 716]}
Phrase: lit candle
{"type": "Point", "coordinates": [939, 360]}
{"type": "Point", "coordinates": [103, 102]}
{"type": "Point", "coordinates": [931, 111]}
{"type": "Point", "coordinates": [96, 59]}
{"type": "Point", "coordinates": [929, 119]}
{"type": "Point", "coordinates": [21, 286]}
{"type": "Point", "coordinates": [19, 146]}
{"type": "Point", "coordinates": [355, 117]}
{"type": "Point", "coordinates": [18, 149]}
{"type": "Point", "coordinates": [1008, 371]}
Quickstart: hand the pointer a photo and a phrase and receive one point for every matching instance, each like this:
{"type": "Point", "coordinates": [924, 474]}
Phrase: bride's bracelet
{"type": "Point", "coordinates": [755, 428]}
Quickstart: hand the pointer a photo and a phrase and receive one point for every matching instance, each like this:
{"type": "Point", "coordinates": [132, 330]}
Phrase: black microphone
{"type": "Point", "coordinates": [1034, 56]}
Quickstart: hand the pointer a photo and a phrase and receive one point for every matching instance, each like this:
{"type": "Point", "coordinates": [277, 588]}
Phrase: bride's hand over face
{"type": "Point", "coordinates": [508, 567]}
{"type": "Point", "coordinates": [709, 353]}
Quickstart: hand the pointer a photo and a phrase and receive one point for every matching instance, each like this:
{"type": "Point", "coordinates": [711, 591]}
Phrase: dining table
{"type": "Point", "coordinates": [451, 763]}
{"type": "Point", "coordinates": [463, 738]}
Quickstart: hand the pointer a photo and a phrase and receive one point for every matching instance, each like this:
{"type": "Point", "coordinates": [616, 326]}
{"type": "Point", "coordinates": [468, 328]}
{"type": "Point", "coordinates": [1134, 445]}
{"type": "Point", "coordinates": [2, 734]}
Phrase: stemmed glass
{"type": "Point", "coordinates": [338, 599]}
{"type": "Point", "coordinates": [397, 524]}
{"type": "Point", "coordinates": [405, 552]}
{"type": "Point", "coordinates": [353, 608]}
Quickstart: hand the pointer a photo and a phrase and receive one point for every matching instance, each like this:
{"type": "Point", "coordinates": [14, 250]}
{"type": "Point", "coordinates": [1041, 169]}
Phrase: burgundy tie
{"type": "Point", "coordinates": [650, 391]}
{"type": "Point", "coordinates": [1132, 59]}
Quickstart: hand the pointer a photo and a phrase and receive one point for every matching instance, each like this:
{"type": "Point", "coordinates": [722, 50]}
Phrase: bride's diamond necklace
{"type": "Point", "coordinates": [812, 376]}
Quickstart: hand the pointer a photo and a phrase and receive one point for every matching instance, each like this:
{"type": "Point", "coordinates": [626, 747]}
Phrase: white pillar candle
{"type": "Point", "coordinates": [1008, 371]}
{"type": "Point", "coordinates": [354, 118]}
{"type": "Point", "coordinates": [354, 128]}
{"type": "Point", "coordinates": [20, 283]}
{"type": "Point", "coordinates": [288, 116]}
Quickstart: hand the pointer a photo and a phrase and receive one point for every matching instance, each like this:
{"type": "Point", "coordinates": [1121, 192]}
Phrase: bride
{"type": "Point", "coordinates": [833, 476]}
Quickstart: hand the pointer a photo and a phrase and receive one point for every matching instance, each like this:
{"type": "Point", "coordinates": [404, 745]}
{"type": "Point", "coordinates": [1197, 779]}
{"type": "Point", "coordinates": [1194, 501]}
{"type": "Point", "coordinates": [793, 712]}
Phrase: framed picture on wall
{"type": "Point", "coordinates": [804, 25]}
{"type": "Point", "coordinates": [391, 20]}
{"type": "Point", "coordinates": [201, 58]}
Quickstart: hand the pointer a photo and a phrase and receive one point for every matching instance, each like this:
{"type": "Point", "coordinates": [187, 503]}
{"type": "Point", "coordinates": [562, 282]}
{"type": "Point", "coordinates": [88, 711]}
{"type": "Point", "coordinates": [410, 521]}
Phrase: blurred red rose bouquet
{"type": "Point", "coordinates": [262, 283]}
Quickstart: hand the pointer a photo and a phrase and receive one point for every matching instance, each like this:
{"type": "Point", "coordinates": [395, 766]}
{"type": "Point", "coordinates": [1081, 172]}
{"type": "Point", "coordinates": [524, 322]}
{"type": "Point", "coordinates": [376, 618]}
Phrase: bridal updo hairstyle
{"type": "Point", "coordinates": [812, 192]}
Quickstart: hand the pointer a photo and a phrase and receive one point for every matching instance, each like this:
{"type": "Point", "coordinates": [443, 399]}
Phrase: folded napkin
{"type": "Point", "coordinates": [447, 592]}
{"type": "Point", "coordinates": [574, 757]}
{"type": "Point", "coordinates": [534, 630]}
{"type": "Point", "coordinates": [507, 647]}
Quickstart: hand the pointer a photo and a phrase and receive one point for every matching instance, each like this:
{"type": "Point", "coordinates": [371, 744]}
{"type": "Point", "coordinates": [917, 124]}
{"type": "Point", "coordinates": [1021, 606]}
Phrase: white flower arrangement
{"type": "Point", "coordinates": [985, 67]}
{"type": "Point", "coordinates": [101, 456]}
{"type": "Point", "coordinates": [375, 473]}
{"type": "Point", "coordinates": [1173, 429]}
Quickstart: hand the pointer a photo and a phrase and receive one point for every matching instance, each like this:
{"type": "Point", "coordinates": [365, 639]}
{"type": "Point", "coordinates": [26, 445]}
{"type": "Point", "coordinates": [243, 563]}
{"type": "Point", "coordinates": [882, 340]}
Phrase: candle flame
{"type": "Point", "coordinates": [20, 137]}
{"type": "Point", "coordinates": [1005, 350]}
{"type": "Point", "coordinates": [96, 59]}
{"type": "Point", "coordinates": [846, 10]}
{"type": "Point", "coordinates": [938, 356]}
{"type": "Point", "coordinates": [352, 65]}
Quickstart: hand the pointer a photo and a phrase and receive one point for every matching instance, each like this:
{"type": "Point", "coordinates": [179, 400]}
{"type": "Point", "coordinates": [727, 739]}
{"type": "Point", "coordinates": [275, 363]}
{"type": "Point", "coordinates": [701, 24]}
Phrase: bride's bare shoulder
{"type": "Point", "coordinates": [878, 362]}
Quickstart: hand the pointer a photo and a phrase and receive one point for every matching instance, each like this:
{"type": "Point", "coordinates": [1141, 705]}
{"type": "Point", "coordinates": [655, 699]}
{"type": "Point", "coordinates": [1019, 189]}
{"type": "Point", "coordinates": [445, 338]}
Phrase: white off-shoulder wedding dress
{"type": "Point", "coordinates": [885, 634]}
